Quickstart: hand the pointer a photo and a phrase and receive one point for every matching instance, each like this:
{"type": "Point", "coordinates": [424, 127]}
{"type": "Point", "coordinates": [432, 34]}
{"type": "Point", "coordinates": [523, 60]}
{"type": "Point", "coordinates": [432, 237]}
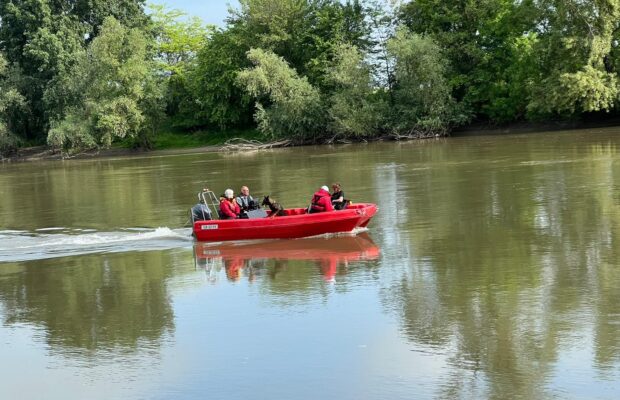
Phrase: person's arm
{"type": "Point", "coordinates": [328, 204]}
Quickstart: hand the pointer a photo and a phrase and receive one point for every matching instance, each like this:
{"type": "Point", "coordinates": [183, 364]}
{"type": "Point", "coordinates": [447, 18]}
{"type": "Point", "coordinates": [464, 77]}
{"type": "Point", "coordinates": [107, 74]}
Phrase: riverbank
{"type": "Point", "coordinates": [170, 143]}
{"type": "Point", "coordinates": [234, 144]}
{"type": "Point", "coordinates": [44, 153]}
{"type": "Point", "coordinates": [165, 142]}
{"type": "Point", "coordinates": [594, 121]}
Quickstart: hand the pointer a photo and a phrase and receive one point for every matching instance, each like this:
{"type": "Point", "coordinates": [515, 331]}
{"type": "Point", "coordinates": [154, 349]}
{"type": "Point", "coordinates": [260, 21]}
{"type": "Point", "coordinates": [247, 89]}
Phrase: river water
{"type": "Point", "coordinates": [490, 271]}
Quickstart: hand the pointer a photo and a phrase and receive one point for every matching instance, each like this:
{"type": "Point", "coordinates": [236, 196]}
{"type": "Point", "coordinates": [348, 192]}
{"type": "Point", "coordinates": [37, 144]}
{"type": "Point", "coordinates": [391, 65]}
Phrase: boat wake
{"type": "Point", "coordinates": [61, 242]}
{"type": "Point", "coordinates": [354, 232]}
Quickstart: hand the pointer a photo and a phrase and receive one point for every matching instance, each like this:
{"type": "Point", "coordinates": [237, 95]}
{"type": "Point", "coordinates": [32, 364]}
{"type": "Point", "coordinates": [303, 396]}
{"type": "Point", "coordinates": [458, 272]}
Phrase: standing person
{"type": "Point", "coordinates": [321, 201]}
{"type": "Point", "coordinates": [228, 206]}
{"type": "Point", "coordinates": [245, 201]}
{"type": "Point", "coordinates": [337, 197]}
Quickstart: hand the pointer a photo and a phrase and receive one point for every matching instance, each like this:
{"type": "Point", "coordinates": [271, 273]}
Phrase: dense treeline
{"type": "Point", "coordinates": [83, 73]}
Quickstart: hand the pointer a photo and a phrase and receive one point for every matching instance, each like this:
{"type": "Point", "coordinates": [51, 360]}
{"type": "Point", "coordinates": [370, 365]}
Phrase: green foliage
{"type": "Point", "coordinates": [43, 40]}
{"type": "Point", "coordinates": [423, 100]}
{"type": "Point", "coordinates": [178, 40]}
{"type": "Point", "coordinates": [72, 133]}
{"type": "Point", "coordinates": [576, 46]}
{"type": "Point", "coordinates": [112, 81]}
{"type": "Point", "coordinates": [354, 107]}
{"type": "Point", "coordinates": [510, 88]}
{"type": "Point", "coordinates": [304, 33]}
{"type": "Point", "coordinates": [330, 25]}
{"type": "Point", "coordinates": [316, 68]}
{"type": "Point", "coordinates": [274, 24]}
{"type": "Point", "coordinates": [482, 42]}
{"type": "Point", "coordinates": [586, 90]}
{"type": "Point", "coordinates": [10, 99]}
{"type": "Point", "coordinates": [532, 58]}
{"type": "Point", "coordinates": [294, 108]}
{"type": "Point", "coordinates": [218, 101]}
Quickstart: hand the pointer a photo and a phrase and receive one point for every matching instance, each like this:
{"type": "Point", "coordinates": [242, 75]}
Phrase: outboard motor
{"type": "Point", "coordinates": [200, 212]}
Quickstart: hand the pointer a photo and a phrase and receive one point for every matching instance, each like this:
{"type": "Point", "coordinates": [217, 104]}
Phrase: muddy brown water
{"type": "Point", "coordinates": [490, 271]}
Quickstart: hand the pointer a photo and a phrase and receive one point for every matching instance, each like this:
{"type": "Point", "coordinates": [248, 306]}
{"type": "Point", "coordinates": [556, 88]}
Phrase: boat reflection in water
{"type": "Point", "coordinates": [253, 259]}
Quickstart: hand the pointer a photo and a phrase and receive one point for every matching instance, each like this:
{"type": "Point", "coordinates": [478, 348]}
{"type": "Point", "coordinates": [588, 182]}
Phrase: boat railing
{"type": "Point", "coordinates": [210, 200]}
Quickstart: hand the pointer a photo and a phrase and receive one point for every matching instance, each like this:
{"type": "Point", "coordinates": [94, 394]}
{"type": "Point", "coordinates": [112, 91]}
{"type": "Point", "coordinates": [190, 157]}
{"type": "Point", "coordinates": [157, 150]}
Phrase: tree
{"type": "Point", "coordinates": [111, 81]}
{"type": "Point", "coordinates": [305, 33]}
{"type": "Point", "coordinates": [218, 100]}
{"type": "Point", "coordinates": [354, 107]}
{"type": "Point", "coordinates": [329, 25]}
{"type": "Point", "coordinates": [42, 39]}
{"type": "Point", "coordinates": [424, 104]}
{"type": "Point", "coordinates": [483, 42]}
{"type": "Point", "coordinates": [290, 106]}
{"type": "Point", "coordinates": [576, 39]}
{"type": "Point", "coordinates": [10, 99]}
{"type": "Point", "coordinates": [178, 42]}
{"type": "Point", "coordinates": [178, 38]}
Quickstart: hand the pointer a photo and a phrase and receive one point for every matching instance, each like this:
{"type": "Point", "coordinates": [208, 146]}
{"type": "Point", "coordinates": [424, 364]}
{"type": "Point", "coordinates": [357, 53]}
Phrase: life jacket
{"type": "Point", "coordinates": [320, 201]}
{"type": "Point", "coordinates": [232, 207]}
{"type": "Point", "coordinates": [246, 203]}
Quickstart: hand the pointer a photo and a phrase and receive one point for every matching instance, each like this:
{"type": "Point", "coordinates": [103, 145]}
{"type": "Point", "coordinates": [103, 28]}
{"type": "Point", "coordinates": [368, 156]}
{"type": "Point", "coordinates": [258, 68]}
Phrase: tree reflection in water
{"type": "Point", "coordinates": [512, 280]}
{"type": "Point", "coordinates": [94, 302]}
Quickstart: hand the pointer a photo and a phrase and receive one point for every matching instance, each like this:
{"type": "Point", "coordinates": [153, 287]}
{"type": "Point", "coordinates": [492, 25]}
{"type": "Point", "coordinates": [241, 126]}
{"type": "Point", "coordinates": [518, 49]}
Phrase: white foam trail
{"type": "Point", "coordinates": [23, 246]}
{"type": "Point", "coordinates": [354, 232]}
{"type": "Point", "coordinates": [51, 229]}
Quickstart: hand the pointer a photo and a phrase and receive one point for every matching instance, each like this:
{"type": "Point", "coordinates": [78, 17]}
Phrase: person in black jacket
{"type": "Point", "coordinates": [337, 197]}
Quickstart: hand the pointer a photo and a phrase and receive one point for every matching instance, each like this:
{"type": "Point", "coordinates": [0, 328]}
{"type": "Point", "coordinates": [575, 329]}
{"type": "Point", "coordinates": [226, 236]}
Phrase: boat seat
{"type": "Point", "coordinates": [259, 213]}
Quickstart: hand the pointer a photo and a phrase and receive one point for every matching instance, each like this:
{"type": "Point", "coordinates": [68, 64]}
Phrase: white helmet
{"type": "Point", "coordinates": [228, 193]}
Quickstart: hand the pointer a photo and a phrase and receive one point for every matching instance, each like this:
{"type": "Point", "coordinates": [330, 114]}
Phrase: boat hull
{"type": "Point", "coordinates": [296, 224]}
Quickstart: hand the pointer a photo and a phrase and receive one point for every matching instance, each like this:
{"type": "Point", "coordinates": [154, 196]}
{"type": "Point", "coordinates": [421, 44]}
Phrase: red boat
{"type": "Point", "coordinates": [295, 223]}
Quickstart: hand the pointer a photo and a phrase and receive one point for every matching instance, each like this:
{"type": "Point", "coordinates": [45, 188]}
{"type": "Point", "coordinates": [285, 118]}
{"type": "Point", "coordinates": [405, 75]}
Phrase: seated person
{"type": "Point", "coordinates": [337, 197]}
{"type": "Point", "coordinates": [229, 209]}
{"type": "Point", "coordinates": [321, 201]}
{"type": "Point", "coordinates": [245, 201]}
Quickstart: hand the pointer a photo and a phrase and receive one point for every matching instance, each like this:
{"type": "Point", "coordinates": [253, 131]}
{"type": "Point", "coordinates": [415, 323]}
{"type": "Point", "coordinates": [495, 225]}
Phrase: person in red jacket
{"type": "Point", "coordinates": [228, 206]}
{"type": "Point", "coordinates": [321, 201]}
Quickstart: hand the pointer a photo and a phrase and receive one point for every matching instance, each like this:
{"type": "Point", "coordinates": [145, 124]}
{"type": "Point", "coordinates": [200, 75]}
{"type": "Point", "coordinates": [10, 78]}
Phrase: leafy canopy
{"type": "Point", "coordinates": [291, 106]}
{"type": "Point", "coordinates": [112, 80]}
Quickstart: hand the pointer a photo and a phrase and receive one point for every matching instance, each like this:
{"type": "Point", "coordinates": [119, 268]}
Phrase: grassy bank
{"type": "Point", "coordinates": [169, 138]}
{"type": "Point", "coordinates": [166, 139]}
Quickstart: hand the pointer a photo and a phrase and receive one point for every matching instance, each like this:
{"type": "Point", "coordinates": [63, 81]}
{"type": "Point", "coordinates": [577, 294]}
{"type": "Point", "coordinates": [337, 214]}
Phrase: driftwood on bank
{"type": "Point", "coordinates": [337, 139]}
{"type": "Point", "coordinates": [411, 136]}
{"type": "Point", "coordinates": [237, 144]}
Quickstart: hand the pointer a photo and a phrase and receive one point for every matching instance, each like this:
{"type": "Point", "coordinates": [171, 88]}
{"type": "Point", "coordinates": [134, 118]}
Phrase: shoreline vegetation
{"type": "Point", "coordinates": [249, 141]}
{"type": "Point", "coordinates": [113, 76]}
